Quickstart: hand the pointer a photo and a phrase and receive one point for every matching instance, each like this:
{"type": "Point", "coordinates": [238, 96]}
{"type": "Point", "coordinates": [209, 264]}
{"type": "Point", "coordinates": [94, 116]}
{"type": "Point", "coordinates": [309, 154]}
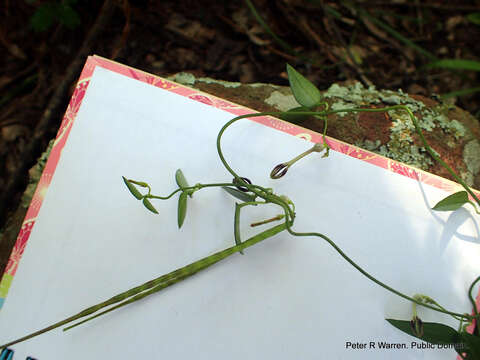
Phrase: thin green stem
{"type": "Point", "coordinates": [414, 308]}
{"type": "Point", "coordinates": [302, 155]}
{"type": "Point", "coordinates": [196, 187]}
{"type": "Point", "coordinates": [370, 277]}
{"type": "Point", "coordinates": [270, 31]}
{"type": "Point", "coordinates": [474, 206]}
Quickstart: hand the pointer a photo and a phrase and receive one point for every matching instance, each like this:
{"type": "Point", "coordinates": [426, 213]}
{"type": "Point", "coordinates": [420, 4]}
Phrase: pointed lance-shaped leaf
{"type": "Point", "coordinates": [434, 333]}
{"type": "Point", "coordinates": [303, 90]}
{"type": "Point", "coordinates": [236, 226]}
{"type": "Point", "coordinates": [182, 182]}
{"type": "Point", "coordinates": [182, 208]}
{"type": "Point", "coordinates": [149, 205]}
{"type": "Point", "coordinates": [452, 202]}
{"type": "Point", "coordinates": [240, 195]}
{"type": "Point", "coordinates": [132, 188]}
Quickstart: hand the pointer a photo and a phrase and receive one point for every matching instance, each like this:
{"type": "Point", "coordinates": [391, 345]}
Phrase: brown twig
{"type": "Point", "coordinates": [289, 57]}
{"type": "Point", "coordinates": [317, 39]}
{"type": "Point", "coordinates": [126, 30]}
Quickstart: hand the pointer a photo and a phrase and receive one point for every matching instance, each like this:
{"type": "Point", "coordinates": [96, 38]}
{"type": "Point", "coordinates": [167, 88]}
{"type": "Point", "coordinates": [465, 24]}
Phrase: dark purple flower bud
{"type": "Point", "coordinates": [417, 326]}
{"type": "Point", "coordinates": [278, 171]}
{"type": "Point", "coordinates": [239, 187]}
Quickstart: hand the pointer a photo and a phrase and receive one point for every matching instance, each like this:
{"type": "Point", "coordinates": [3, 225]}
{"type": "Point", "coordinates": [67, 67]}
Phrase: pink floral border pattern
{"type": "Point", "coordinates": [76, 101]}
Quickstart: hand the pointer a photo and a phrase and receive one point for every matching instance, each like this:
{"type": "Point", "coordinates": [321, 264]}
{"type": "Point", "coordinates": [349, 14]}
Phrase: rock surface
{"type": "Point", "coordinates": [451, 131]}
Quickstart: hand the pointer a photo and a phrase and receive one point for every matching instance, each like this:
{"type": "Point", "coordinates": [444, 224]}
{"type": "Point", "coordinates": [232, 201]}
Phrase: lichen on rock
{"type": "Point", "coordinates": [447, 128]}
{"type": "Point", "coordinates": [34, 175]}
{"type": "Point", "coordinates": [442, 132]}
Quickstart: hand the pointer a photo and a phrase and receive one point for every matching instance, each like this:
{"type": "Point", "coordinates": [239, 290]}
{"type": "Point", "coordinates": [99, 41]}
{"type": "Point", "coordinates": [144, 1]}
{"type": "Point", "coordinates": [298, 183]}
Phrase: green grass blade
{"type": "Point", "coordinates": [397, 35]}
{"type": "Point", "coordinates": [474, 18]}
{"type": "Point", "coordinates": [456, 64]}
{"type": "Point", "coordinates": [265, 26]}
{"type": "Point", "coordinates": [461, 92]}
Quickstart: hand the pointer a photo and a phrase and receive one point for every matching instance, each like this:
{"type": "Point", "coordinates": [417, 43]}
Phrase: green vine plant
{"type": "Point", "coordinates": [466, 344]}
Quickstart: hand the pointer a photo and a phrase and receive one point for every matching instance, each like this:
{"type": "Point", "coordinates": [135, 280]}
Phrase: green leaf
{"type": "Point", "coordinates": [303, 90]}
{"type": "Point", "coordinates": [132, 188]}
{"type": "Point", "coordinates": [68, 16]}
{"type": "Point", "coordinates": [240, 195]}
{"type": "Point", "coordinates": [473, 345]}
{"type": "Point", "coordinates": [293, 118]}
{"type": "Point", "coordinates": [452, 202]}
{"type": "Point", "coordinates": [182, 182]}
{"type": "Point", "coordinates": [474, 18]}
{"type": "Point", "coordinates": [456, 64]}
{"type": "Point", "coordinates": [182, 208]}
{"type": "Point", "coordinates": [149, 205]}
{"type": "Point", "coordinates": [44, 17]}
{"type": "Point", "coordinates": [462, 92]}
{"type": "Point", "coordinates": [236, 226]}
{"type": "Point", "coordinates": [433, 333]}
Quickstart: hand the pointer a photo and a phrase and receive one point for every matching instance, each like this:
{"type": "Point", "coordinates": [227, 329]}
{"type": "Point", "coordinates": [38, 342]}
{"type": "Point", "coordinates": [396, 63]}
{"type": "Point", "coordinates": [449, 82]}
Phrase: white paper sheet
{"type": "Point", "coordinates": [287, 298]}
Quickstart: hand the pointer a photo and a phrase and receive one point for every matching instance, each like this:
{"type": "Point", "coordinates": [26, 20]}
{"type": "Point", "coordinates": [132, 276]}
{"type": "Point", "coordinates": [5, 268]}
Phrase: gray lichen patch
{"type": "Point", "coordinates": [34, 176]}
{"type": "Point", "coordinates": [282, 101]}
{"type": "Point", "coordinates": [457, 129]}
{"type": "Point", "coordinates": [403, 144]}
{"type": "Point", "coordinates": [190, 80]}
{"type": "Point", "coordinates": [183, 78]}
{"type": "Point", "coordinates": [471, 156]}
{"type": "Point", "coordinates": [447, 128]}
